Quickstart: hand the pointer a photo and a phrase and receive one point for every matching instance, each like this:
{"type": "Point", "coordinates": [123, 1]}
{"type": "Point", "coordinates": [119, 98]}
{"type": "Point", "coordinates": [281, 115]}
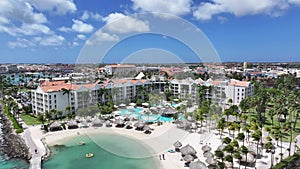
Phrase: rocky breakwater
{"type": "Point", "coordinates": [11, 144]}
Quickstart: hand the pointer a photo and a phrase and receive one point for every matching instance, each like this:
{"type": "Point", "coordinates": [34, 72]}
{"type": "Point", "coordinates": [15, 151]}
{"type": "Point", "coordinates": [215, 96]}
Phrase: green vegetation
{"type": "Point", "coordinates": [15, 124]}
{"type": "Point", "coordinates": [30, 120]}
{"type": "Point", "coordinates": [285, 162]}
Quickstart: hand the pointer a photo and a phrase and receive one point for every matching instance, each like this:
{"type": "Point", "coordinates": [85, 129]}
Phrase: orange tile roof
{"type": "Point", "coordinates": [56, 86]}
{"type": "Point", "coordinates": [238, 83]}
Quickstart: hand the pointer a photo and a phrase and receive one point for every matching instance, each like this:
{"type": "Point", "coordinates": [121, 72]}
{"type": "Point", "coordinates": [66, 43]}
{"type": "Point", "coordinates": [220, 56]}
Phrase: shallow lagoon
{"type": "Point", "coordinates": [111, 151]}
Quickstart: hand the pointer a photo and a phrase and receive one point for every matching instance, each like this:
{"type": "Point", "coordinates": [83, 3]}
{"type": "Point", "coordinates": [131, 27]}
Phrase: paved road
{"type": "Point", "coordinates": [36, 156]}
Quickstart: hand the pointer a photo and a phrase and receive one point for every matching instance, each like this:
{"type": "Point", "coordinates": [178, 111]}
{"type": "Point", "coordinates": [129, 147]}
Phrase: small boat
{"type": "Point", "coordinates": [81, 143]}
{"type": "Point", "coordinates": [89, 155]}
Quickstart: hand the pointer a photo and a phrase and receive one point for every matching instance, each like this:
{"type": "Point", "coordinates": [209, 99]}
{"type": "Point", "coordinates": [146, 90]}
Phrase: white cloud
{"type": "Point", "coordinates": [81, 27]}
{"type": "Point", "coordinates": [120, 23]}
{"type": "Point", "coordinates": [4, 20]}
{"type": "Point", "coordinates": [54, 40]}
{"type": "Point", "coordinates": [81, 36]}
{"type": "Point", "coordinates": [100, 37]}
{"type": "Point", "coordinates": [33, 29]}
{"type": "Point", "coordinates": [21, 42]}
{"type": "Point", "coordinates": [64, 29]}
{"type": "Point", "coordinates": [51, 40]}
{"type": "Point", "coordinates": [26, 29]}
{"type": "Point", "coordinates": [175, 7]}
{"type": "Point", "coordinates": [87, 15]}
{"type": "Point", "coordinates": [21, 11]}
{"type": "Point", "coordinates": [206, 10]}
{"type": "Point", "coordinates": [296, 2]}
{"type": "Point", "coordinates": [60, 7]}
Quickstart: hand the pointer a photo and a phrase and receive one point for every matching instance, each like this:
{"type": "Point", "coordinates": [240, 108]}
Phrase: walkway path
{"type": "Point", "coordinates": [36, 151]}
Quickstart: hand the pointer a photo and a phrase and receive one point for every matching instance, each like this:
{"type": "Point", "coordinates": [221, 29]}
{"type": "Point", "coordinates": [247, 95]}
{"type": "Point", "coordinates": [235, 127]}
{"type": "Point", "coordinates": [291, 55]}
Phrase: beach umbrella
{"type": "Point", "coordinates": [146, 127]}
{"type": "Point", "coordinates": [188, 158]}
{"type": "Point", "coordinates": [119, 122]}
{"type": "Point", "coordinates": [250, 158]}
{"type": "Point", "coordinates": [97, 122]}
{"type": "Point", "coordinates": [177, 144]}
{"type": "Point", "coordinates": [188, 150]}
{"type": "Point", "coordinates": [208, 154]}
{"type": "Point", "coordinates": [211, 161]}
{"type": "Point", "coordinates": [84, 124]}
{"type": "Point", "coordinates": [55, 126]}
{"type": "Point", "coordinates": [88, 118]}
{"type": "Point", "coordinates": [132, 104]}
{"type": "Point", "coordinates": [72, 124]}
{"type": "Point", "coordinates": [145, 104]}
{"type": "Point", "coordinates": [128, 125]}
{"type": "Point", "coordinates": [122, 105]}
{"type": "Point", "coordinates": [139, 124]}
{"type": "Point", "coordinates": [197, 165]}
{"type": "Point", "coordinates": [170, 111]}
{"type": "Point", "coordinates": [206, 148]}
{"type": "Point", "coordinates": [107, 123]}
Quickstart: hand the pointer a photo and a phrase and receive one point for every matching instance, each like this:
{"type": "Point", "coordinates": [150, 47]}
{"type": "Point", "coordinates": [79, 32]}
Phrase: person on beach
{"type": "Point", "coordinates": [163, 155]}
{"type": "Point", "coordinates": [159, 157]}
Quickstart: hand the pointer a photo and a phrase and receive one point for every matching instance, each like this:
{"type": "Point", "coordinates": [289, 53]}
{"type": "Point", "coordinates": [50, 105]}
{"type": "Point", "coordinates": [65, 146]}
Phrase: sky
{"type": "Point", "coordinates": [74, 31]}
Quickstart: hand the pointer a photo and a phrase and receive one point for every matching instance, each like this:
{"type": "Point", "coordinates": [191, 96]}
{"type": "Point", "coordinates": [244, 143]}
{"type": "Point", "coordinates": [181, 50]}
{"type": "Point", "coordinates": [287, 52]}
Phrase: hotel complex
{"type": "Point", "coordinates": [59, 94]}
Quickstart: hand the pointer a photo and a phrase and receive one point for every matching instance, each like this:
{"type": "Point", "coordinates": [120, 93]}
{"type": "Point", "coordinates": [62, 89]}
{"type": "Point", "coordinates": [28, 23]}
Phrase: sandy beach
{"type": "Point", "coordinates": [159, 141]}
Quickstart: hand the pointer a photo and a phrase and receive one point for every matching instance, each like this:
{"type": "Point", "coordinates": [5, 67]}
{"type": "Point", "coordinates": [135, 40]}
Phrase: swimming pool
{"type": "Point", "coordinates": [137, 112]}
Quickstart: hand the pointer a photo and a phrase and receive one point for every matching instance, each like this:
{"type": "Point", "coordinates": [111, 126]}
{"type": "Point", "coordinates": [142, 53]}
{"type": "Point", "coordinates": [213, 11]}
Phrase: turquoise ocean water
{"type": "Point", "coordinates": [111, 151]}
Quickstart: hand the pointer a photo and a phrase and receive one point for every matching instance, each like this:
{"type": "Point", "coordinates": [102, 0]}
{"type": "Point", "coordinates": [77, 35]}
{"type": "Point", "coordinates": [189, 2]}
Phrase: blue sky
{"type": "Point", "coordinates": [35, 31]}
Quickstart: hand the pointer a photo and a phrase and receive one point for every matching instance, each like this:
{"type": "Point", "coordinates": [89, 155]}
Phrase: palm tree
{"type": "Point", "coordinates": [59, 113]}
{"type": "Point", "coordinates": [68, 92]}
{"type": "Point", "coordinates": [48, 115]}
{"type": "Point", "coordinates": [257, 136]}
{"type": "Point", "coordinates": [245, 151]}
{"type": "Point", "coordinates": [229, 149]}
{"type": "Point", "coordinates": [238, 156]}
{"type": "Point", "coordinates": [226, 140]}
{"type": "Point", "coordinates": [241, 137]}
{"type": "Point", "coordinates": [269, 148]}
{"type": "Point", "coordinates": [221, 126]}
{"type": "Point", "coordinates": [41, 118]}
{"type": "Point", "coordinates": [234, 144]}
{"type": "Point", "coordinates": [219, 154]}
{"type": "Point", "coordinates": [229, 159]}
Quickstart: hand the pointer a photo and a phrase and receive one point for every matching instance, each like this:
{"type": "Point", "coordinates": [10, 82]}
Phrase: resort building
{"type": "Point", "coordinates": [185, 89]}
{"type": "Point", "coordinates": [119, 68]}
{"type": "Point", "coordinates": [233, 89]}
{"type": "Point", "coordinates": [59, 94]}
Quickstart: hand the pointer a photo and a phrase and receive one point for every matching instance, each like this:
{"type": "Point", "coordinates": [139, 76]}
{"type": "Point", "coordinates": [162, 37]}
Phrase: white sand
{"type": "Point", "coordinates": [160, 141]}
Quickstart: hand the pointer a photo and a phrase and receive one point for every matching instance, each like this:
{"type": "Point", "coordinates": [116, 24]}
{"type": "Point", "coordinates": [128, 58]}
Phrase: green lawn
{"type": "Point", "coordinates": [268, 122]}
{"type": "Point", "coordinates": [30, 120]}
